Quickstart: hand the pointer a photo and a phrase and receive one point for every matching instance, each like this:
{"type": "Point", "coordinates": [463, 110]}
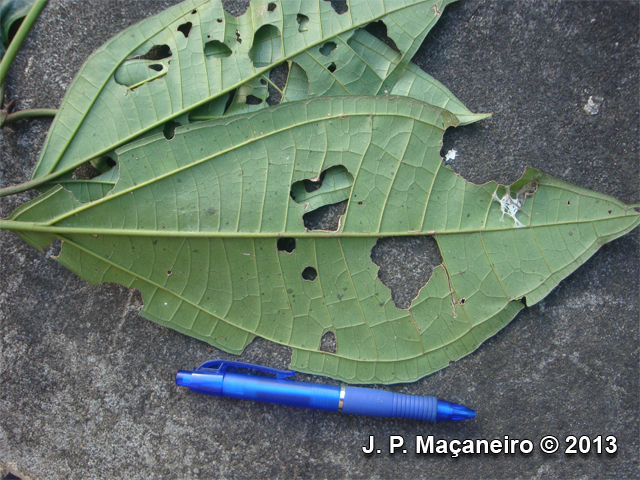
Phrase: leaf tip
{"type": "Point", "coordinates": [472, 118]}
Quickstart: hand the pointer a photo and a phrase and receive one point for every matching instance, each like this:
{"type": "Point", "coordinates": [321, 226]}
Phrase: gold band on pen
{"type": "Point", "coordinates": [341, 401]}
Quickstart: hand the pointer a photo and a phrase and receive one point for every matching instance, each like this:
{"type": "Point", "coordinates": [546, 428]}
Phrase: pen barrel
{"type": "Point", "coordinates": [378, 403]}
{"type": "Point", "coordinates": [282, 392]}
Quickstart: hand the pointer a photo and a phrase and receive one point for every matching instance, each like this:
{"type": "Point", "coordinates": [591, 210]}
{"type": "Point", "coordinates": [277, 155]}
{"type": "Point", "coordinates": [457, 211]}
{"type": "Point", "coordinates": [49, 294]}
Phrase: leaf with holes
{"type": "Point", "coordinates": [194, 61]}
{"type": "Point", "coordinates": [208, 226]}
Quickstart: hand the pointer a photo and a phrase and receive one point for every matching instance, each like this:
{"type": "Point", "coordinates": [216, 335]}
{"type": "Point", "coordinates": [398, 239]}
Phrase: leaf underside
{"type": "Point", "coordinates": [196, 61]}
{"type": "Point", "coordinates": [194, 223]}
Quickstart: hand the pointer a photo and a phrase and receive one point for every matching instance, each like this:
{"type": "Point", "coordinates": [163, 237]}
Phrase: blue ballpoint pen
{"type": "Point", "coordinates": [212, 378]}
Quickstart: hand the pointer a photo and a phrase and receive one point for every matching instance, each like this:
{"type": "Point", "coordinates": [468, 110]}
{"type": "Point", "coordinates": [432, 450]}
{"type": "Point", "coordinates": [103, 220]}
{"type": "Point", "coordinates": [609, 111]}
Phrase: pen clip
{"type": "Point", "coordinates": [221, 366]}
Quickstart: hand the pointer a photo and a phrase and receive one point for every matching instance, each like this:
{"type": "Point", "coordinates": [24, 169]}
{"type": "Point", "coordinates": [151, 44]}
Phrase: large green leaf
{"type": "Point", "coordinates": [195, 224]}
{"type": "Point", "coordinates": [195, 61]}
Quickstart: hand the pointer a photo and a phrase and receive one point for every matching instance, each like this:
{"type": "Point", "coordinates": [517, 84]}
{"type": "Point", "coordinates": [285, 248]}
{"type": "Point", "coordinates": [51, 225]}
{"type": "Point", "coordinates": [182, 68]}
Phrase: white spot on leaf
{"type": "Point", "coordinates": [509, 206]}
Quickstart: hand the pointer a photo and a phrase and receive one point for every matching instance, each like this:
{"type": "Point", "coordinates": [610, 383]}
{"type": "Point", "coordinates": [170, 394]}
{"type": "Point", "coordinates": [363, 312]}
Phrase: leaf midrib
{"type": "Point", "coordinates": [17, 225]}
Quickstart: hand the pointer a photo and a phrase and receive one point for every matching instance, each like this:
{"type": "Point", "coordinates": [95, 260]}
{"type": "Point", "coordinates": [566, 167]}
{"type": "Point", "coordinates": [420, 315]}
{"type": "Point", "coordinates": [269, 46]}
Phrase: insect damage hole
{"type": "Point", "coordinates": [339, 6]}
{"type": "Point", "coordinates": [169, 129]}
{"type": "Point", "coordinates": [252, 100]}
{"type": "Point", "coordinates": [157, 52]}
{"type": "Point", "coordinates": [310, 274]}
{"type": "Point", "coordinates": [216, 49]}
{"type": "Point", "coordinates": [277, 81]}
{"type": "Point", "coordinates": [379, 30]}
{"type": "Point", "coordinates": [325, 197]}
{"type": "Point", "coordinates": [328, 342]}
{"type": "Point", "coordinates": [327, 48]}
{"type": "Point", "coordinates": [303, 22]}
{"type": "Point", "coordinates": [286, 244]}
{"type": "Point", "coordinates": [332, 67]}
{"type": "Point", "coordinates": [185, 28]}
{"type": "Point", "coordinates": [271, 7]}
{"type": "Point", "coordinates": [406, 265]}
{"type": "Point", "coordinates": [266, 47]}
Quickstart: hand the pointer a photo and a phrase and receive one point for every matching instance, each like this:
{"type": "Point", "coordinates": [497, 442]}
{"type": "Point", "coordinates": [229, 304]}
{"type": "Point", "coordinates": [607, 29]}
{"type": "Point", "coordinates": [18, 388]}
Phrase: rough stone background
{"type": "Point", "coordinates": [86, 386]}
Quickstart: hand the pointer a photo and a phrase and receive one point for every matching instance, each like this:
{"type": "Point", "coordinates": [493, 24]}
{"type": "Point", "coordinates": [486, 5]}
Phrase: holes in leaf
{"type": "Point", "coordinates": [229, 101]}
{"type": "Point", "coordinates": [253, 100]}
{"type": "Point", "coordinates": [278, 77]}
{"type": "Point", "coordinates": [310, 274]}
{"type": "Point", "coordinates": [169, 129]}
{"type": "Point", "coordinates": [406, 264]}
{"type": "Point", "coordinates": [169, 272]}
{"type": "Point", "coordinates": [97, 166]}
{"type": "Point", "coordinates": [219, 20]}
{"type": "Point", "coordinates": [332, 67]}
{"type": "Point", "coordinates": [216, 49]}
{"type": "Point", "coordinates": [185, 28]}
{"type": "Point", "coordinates": [609, 212]}
{"type": "Point", "coordinates": [327, 48]}
{"type": "Point", "coordinates": [379, 30]}
{"type": "Point", "coordinates": [325, 218]}
{"type": "Point", "coordinates": [286, 244]}
{"type": "Point", "coordinates": [157, 52]}
{"type": "Point", "coordinates": [141, 69]}
{"type": "Point", "coordinates": [303, 21]}
{"type": "Point", "coordinates": [339, 6]}
{"type": "Point", "coordinates": [238, 37]}
{"type": "Point", "coordinates": [326, 197]}
{"type": "Point", "coordinates": [463, 301]}
{"type": "Point", "coordinates": [263, 81]}
{"type": "Point", "coordinates": [266, 47]}
{"type": "Point", "coordinates": [339, 178]}
{"type": "Point", "coordinates": [193, 12]}
{"type": "Point", "coordinates": [568, 203]}
{"type": "Point", "coordinates": [271, 7]}
{"type": "Point", "coordinates": [328, 343]}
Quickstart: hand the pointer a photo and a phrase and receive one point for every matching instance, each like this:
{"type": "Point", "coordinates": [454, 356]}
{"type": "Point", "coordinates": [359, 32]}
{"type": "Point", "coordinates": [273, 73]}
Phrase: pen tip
{"type": "Point", "coordinates": [453, 412]}
{"type": "Point", "coordinates": [183, 378]}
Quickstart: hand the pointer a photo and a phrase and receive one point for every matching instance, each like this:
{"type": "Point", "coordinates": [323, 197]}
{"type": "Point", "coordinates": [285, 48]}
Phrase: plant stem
{"type": "Point", "coordinates": [23, 187]}
{"type": "Point", "coordinates": [18, 39]}
{"type": "Point", "coordinates": [22, 114]}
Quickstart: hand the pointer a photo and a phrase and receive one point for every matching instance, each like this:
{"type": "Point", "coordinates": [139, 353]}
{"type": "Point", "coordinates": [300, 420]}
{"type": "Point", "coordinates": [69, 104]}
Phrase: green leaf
{"type": "Point", "coordinates": [205, 226]}
{"type": "Point", "coordinates": [191, 60]}
{"type": "Point", "coordinates": [11, 14]}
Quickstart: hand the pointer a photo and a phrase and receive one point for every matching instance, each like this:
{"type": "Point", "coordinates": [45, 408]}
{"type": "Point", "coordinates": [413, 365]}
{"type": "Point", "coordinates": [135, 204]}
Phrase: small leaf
{"type": "Point", "coordinates": [213, 206]}
{"type": "Point", "coordinates": [11, 14]}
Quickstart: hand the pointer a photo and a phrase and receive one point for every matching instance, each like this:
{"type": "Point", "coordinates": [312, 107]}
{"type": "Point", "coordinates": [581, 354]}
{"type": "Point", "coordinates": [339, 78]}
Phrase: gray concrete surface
{"type": "Point", "coordinates": [86, 386]}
